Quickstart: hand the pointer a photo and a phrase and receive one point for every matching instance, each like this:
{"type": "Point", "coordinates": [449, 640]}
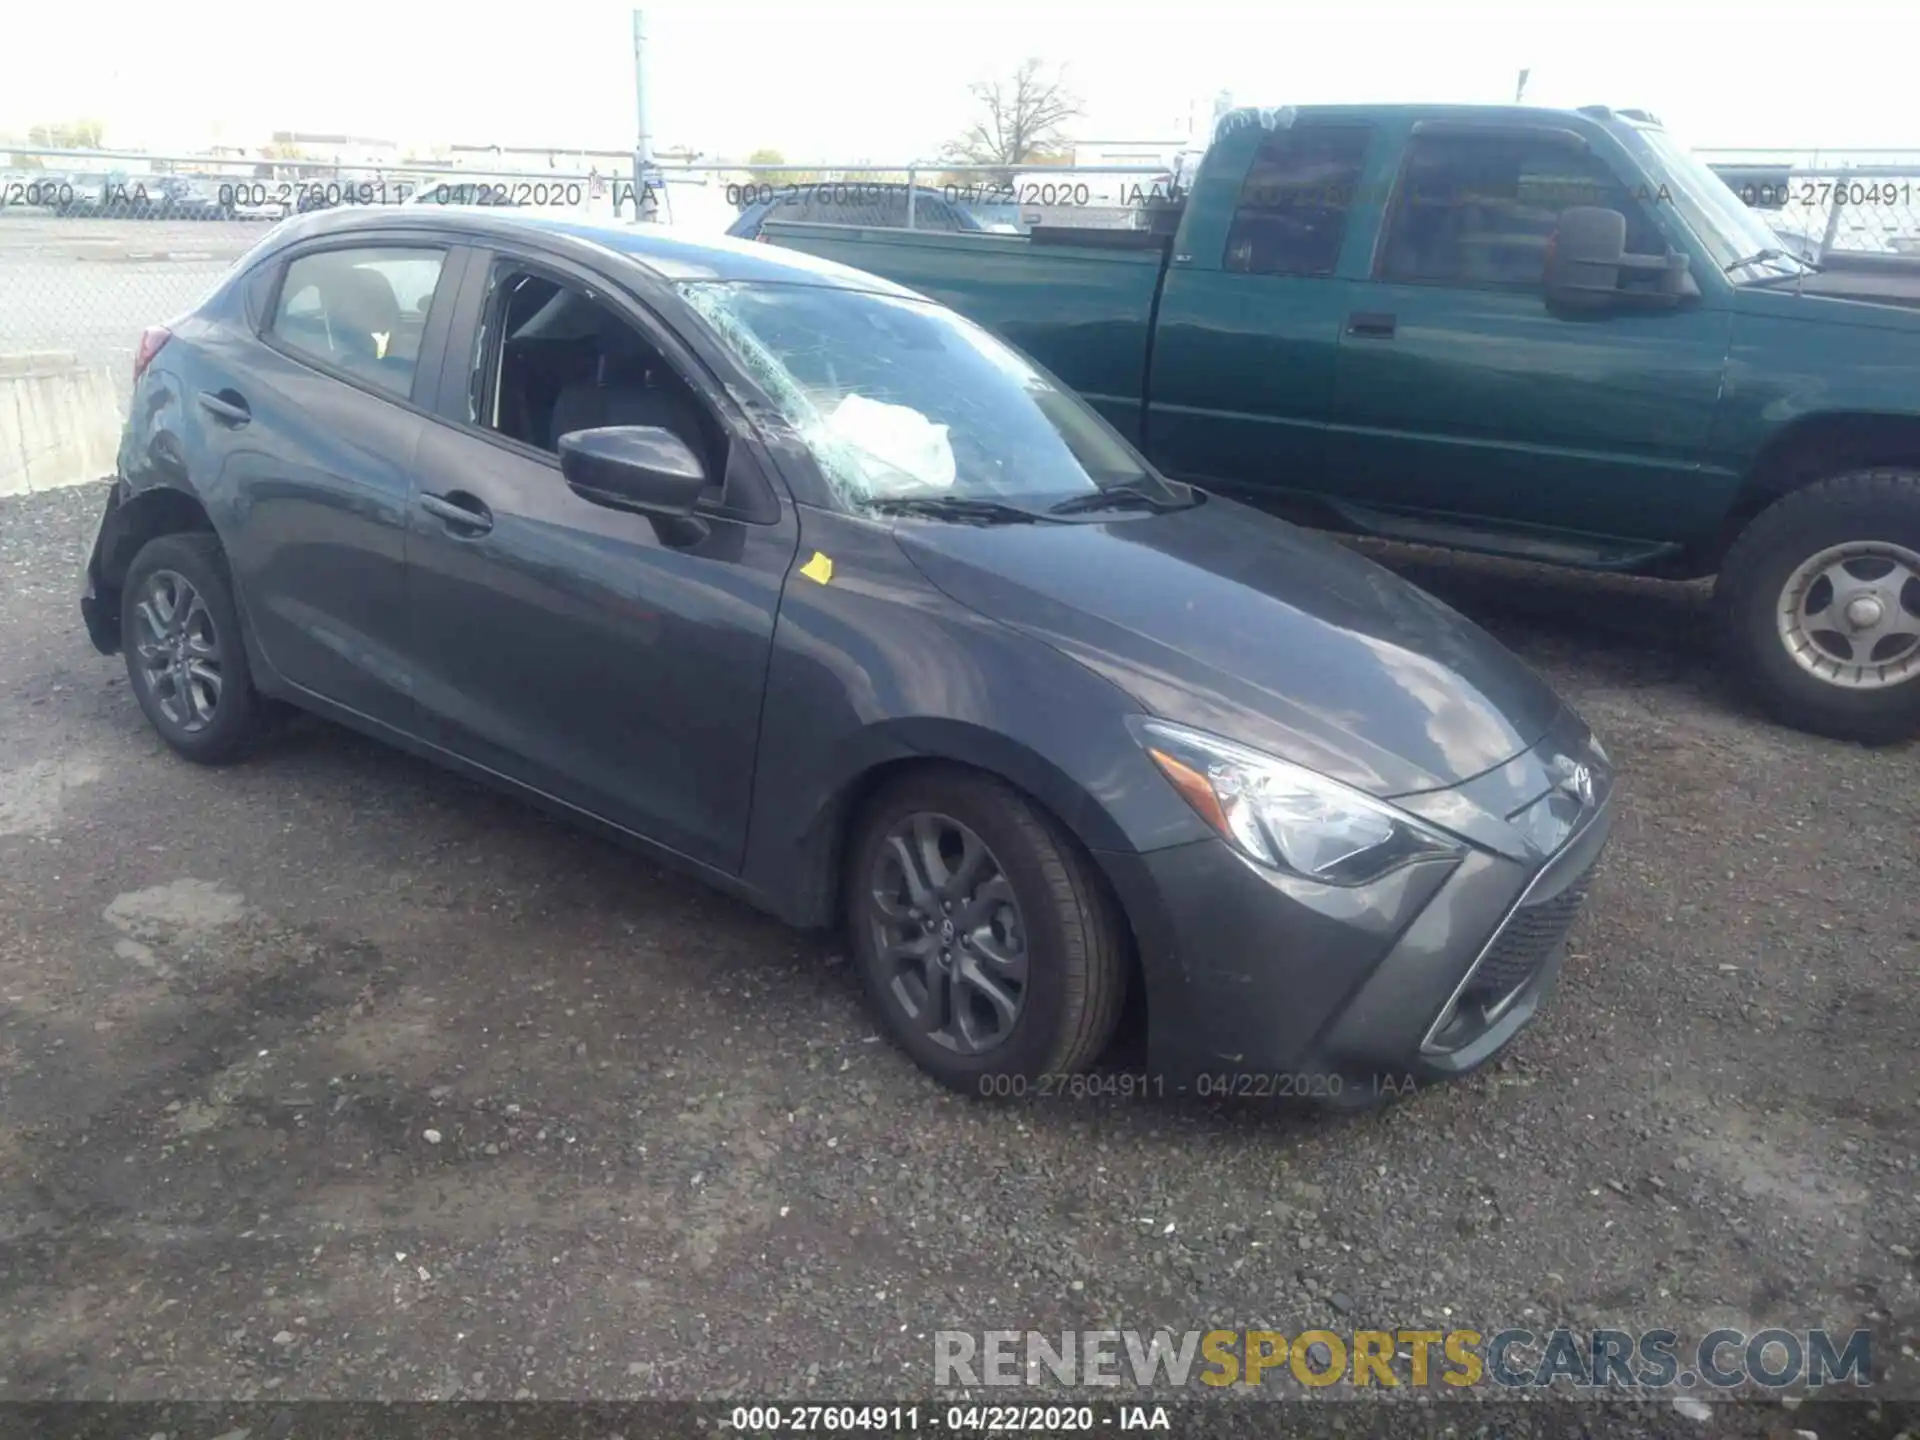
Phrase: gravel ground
{"type": "Point", "coordinates": [330, 1075]}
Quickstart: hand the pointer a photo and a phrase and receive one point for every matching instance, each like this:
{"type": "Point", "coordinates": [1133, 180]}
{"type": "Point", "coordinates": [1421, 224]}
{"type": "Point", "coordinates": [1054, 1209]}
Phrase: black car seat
{"type": "Point", "coordinates": [363, 320]}
{"type": "Point", "coordinates": [630, 386]}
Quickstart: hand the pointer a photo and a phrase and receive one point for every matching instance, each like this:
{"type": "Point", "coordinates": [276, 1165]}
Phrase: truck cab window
{"type": "Point", "coordinates": [1292, 213]}
{"type": "Point", "coordinates": [565, 361]}
{"type": "Point", "coordinates": [1478, 210]}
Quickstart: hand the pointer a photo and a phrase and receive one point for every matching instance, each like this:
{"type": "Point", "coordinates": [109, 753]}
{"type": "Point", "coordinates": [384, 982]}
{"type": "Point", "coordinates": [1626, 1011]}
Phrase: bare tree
{"type": "Point", "coordinates": [1022, 119]}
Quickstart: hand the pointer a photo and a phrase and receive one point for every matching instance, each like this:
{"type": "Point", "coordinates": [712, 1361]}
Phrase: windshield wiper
{"type": "Point", "coordinates": [1127, 496]}
{"type": "Point", "coordinates": [1808, 267]}
{"type": "Point", "coordinates": [956, 507]}
{"type": "Point", "coordinates": [1759, 256]}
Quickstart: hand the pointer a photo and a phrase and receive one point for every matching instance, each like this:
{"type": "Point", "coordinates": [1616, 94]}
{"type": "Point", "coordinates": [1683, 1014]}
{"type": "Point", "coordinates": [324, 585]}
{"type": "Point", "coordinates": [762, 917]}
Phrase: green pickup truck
{"type": "Point", "coordinates": [1547, 334]}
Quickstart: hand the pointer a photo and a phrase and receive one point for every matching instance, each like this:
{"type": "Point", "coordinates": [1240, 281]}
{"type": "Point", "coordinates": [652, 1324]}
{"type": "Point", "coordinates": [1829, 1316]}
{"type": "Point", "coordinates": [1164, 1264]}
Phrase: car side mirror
{"type": "Point", "coordinates": [1587, 255]}
{"type": "Point", "coordinates": [633, 467]}
{"type": "Point", "coordinates": [642, 468]}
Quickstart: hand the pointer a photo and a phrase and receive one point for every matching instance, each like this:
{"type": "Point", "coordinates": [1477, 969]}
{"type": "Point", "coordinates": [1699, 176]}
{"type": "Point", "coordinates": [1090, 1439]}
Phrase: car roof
{"type": "Point", "coordinates": [668, 256]}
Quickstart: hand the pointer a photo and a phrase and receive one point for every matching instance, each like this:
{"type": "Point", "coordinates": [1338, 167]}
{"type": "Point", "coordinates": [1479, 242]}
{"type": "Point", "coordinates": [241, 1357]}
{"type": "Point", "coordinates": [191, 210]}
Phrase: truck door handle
{"type": "Point", "coordinates": [226, 406]}
{"type": "Point", "coordinates": [465, 515]}
{"type": "Point", "coordinates": [1368, 325]}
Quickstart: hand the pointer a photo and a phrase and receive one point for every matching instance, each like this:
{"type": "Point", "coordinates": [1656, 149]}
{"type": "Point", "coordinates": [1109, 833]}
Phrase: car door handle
{"type": "Point", "coordinates": [463, 514]}
{"type": "Point", "coordinates": [1367, 325]}
{"type": "Point", "coordinates": [226, 406]}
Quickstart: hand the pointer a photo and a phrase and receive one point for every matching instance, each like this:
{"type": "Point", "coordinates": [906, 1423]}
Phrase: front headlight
{"type": "Point", "coordinates": [1286, 817]}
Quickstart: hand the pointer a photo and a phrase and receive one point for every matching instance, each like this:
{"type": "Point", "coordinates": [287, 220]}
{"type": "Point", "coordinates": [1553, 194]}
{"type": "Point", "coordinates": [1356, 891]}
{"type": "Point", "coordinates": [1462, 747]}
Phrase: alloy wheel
{"type": "Point", "coordinates": [949, 933]}
{"type": "Point", "coordinates": [179, 651]}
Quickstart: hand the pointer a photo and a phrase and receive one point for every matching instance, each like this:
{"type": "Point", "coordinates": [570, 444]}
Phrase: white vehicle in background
{"type": "Point", "coordinates": [250, 203]}
{"type": "Point", "coordinates": [694, 205]}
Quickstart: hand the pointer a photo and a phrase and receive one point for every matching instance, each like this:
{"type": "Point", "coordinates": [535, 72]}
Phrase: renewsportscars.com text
{"type": "Point", "coordinates": [1510, 1359]}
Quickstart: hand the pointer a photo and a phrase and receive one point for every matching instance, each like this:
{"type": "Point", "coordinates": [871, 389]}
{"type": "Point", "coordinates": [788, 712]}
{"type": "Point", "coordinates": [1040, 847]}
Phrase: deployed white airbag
{"type": "Point", "coordinates": [894, 449]}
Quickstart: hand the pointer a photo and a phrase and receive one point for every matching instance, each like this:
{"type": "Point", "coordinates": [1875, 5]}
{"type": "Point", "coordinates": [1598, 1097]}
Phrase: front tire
{"type": "Point", "coordinates": [186, 661]}
{"type": "Point", "coordinates": [986, 943]}
{"type": "Point", "coordinates": [1820, 602]}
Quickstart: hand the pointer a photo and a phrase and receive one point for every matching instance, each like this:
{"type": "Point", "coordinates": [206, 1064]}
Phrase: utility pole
{"type": "Point", "coordinates": [644, 198]}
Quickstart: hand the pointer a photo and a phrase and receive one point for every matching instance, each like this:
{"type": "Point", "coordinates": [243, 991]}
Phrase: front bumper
{"type": "Point", "coordinates": [1259, 983]}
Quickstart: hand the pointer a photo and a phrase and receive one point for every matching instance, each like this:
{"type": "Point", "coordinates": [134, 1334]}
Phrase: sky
{"type": "Point", "coordinates": [854, 82]}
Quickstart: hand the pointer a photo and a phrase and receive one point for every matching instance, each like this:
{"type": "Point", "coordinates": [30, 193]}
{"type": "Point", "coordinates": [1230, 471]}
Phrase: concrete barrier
{"type": "Point", "coordinates": [59, 422]}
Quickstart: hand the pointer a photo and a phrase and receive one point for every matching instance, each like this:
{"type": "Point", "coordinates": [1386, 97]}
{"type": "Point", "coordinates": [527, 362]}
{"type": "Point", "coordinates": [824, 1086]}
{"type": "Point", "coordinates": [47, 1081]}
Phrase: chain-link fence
{"type": "Point", "coordinates": [96, 246]}
{"type": "Point", "coordinates": [91, 254]}
{"type": "Point", "coordinates": [1833, 212]}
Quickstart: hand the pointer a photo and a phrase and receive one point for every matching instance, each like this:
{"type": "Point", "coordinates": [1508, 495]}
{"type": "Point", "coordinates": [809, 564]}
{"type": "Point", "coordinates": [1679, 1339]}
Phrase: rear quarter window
{"type": "Point", "coordinates": [1291, 217]}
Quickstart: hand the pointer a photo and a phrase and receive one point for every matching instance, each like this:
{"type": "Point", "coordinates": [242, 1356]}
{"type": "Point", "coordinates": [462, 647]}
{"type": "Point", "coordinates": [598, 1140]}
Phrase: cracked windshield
{"type": "Point", "coordinates": [900, 400]}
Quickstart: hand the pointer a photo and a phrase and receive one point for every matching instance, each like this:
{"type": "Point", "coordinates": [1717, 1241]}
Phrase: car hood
{"type": "Point", "coordinates": [1228, 620]}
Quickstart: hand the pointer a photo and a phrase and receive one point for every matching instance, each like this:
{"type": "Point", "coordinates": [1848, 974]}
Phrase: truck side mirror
{"type": "Point", "coordinates": [1587, 255]}
{"type": "Point", "coordinates": [1584, 256]}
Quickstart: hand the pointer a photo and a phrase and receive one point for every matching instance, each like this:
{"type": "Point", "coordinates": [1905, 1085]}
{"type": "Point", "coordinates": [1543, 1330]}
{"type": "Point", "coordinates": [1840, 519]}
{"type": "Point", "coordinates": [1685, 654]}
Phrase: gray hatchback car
{"type": "Point", "coordinates": [804, 584]}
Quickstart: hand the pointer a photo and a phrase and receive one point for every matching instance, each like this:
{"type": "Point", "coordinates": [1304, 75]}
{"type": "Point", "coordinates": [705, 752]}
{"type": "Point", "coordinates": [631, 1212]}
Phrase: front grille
{"type": "Point", "coordinates": [1530, 935]}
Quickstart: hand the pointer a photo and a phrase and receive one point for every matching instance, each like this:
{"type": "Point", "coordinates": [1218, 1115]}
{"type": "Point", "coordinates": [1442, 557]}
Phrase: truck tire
{"type": "Point", "coordinates": [1820, 600]}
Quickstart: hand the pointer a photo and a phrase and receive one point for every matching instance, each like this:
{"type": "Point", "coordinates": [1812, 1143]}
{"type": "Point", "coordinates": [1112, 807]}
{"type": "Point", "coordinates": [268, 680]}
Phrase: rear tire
{"type": "Point", "coordinates": [186, 661]}
{"type": "Point", "coordinates": [1013, 943]}
{"type": "Point", "coordinates": [1819, 599]}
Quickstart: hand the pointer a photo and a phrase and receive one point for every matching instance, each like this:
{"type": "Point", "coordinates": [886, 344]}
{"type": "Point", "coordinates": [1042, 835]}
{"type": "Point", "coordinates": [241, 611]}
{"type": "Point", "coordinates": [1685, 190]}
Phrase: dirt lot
{"type": "Point", "coordinates": [330, 1075]}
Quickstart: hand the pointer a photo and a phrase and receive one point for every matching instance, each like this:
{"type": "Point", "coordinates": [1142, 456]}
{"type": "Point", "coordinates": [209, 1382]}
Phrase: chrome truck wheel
{"type": "Point", "coordinates": [1820, 599]}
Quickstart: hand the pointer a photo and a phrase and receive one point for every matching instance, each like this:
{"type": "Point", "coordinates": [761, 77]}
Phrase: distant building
{"type": "Point", "coordinates": [1109, 200]}
{"type": "Point", "coordinates": [535, 159]}
{"type": "Point", "coordinates": [1125, 152]}
{"type": "Point", "coordinates": [340, 149]}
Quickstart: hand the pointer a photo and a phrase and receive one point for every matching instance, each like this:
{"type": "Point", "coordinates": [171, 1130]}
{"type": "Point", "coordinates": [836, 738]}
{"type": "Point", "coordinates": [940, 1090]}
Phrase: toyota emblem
{"type": "Point", "coordinates": [1574, 778]}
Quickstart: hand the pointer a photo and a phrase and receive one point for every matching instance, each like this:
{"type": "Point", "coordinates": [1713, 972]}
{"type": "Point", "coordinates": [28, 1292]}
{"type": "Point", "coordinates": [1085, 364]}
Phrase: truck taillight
{"type": "Point", "coordinates": [151, 339]}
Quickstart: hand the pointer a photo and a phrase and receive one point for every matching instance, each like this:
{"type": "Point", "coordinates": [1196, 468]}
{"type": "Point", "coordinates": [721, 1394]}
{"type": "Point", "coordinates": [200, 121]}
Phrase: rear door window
{"type": "Point", "coordinates": [361, 311]}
